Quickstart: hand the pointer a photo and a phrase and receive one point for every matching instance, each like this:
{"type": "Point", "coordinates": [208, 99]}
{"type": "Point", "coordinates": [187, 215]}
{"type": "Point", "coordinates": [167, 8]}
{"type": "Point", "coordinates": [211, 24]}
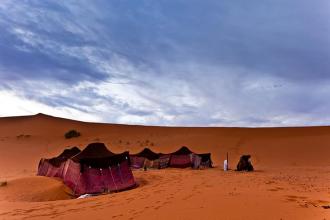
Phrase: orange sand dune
{"type": "Point", "coordinates": [35, 189]}
{"type": "Point", "coordinates": [291, 181]}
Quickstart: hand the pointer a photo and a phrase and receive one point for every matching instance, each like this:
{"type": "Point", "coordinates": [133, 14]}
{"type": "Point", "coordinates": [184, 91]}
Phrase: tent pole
{"type": "Point", "coordinates": [120, 174]}
{"type": "Point", "coordinates": [113, 179]}
{"type": "Point", "coordinates": [63, 166]}
{"type": "Point", "coordinates": [227, 162]}
{"type": "Point", "coordinates": [47, 169]}
{"type": "Point", "coordinates": [102, 179]}
{"type": "Point", "coordinates": [75, 187]}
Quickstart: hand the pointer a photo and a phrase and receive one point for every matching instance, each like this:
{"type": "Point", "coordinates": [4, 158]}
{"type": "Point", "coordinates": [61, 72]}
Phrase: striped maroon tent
{"type": "Point", "coordinates": [139, 160]}
{"type": "Point", "coordinates": [181, 158]}
{"type": "Point", "coordinates": [96, 170]}
{"type": "Point", "coordinates": [184, 157]}
{"type": "Point", "coordinates": [163, 161]}
{"type": "Point", "coordinates": [54, 167]}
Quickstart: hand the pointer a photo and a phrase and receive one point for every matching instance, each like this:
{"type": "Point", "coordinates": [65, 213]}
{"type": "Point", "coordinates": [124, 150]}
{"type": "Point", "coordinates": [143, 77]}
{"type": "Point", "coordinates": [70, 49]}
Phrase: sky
{"type": "Point", "coordinates": [174, 63]}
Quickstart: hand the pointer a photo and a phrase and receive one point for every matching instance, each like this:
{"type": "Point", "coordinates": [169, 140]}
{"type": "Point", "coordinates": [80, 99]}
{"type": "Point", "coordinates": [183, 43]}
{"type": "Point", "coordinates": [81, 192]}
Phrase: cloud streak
{"type": "Point", "coordinates": [165, 63]}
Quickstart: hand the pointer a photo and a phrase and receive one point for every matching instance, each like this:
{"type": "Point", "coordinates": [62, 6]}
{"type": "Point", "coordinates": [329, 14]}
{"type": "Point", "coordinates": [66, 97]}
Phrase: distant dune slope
{"type": "Point", "coordinates": [25, 139]}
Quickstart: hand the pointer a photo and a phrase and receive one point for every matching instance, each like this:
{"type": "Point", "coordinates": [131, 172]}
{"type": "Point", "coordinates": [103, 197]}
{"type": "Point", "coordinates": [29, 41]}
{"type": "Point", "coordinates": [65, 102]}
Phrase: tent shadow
{"type": "Point", "coordinates": [140, 182]}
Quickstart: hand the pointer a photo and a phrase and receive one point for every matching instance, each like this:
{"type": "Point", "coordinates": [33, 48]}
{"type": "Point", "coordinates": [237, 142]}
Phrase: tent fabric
{"type": "Point", "coordinates": [181, 158]}
{"type": "Point", "coordinates": [196, 161]}
{"type": "Point", "coordinates": [244, 164]}
{"type": "Point", "coordinates": [180, 161]}
{"type": "Point", "coordinates": [42, 167]}
{"type": "Point", "coordinates": [53, 167]}
{"type": "Point", "coordinates": [205, 160]}
{"type": "Point", "coordinates": [137, 162]}
{"type": "Point", "coordinates": [65, 155]}
{"type": "Point", "coordinates": [147, 153]}
{"type": "Point", "coordinates": [164, 161]}
{"type": "Point", "coordinates": [98, 170]}
{"type": "Point", "coordinates": [184, 158]}
{"type": "Point", "coordinates": [182, 151]}
{"type": "Point", "coordinates": [92, 151]}
{"type": "Point", "coordinates": [145, 157]}
{"type": "Point", "coordinates": [160, 163]}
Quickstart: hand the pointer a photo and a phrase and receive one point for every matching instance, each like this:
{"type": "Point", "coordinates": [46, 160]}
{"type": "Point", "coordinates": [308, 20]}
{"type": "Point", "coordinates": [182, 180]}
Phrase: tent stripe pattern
{"type": "Point", "coordinates": [184, 157]}
{"type": "Point", "coordinates": [54, 167]}
{"type": "Point", "coordinates": [181, 158]}
{"type": "Point", "coordinates": [145, 158]}
{"type": "Point", "coordinates": [97, 170]}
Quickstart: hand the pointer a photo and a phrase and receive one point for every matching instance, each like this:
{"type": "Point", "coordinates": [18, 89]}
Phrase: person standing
{"type": "Point", "coordinates": [225, 165]}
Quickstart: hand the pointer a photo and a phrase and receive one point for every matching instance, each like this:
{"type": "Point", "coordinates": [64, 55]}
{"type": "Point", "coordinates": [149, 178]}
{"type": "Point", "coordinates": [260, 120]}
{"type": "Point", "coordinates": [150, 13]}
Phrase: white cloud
{"type": "Point", "coordinates": [13, 105]}
{"type": "Point", "coordinates": [132, 81]}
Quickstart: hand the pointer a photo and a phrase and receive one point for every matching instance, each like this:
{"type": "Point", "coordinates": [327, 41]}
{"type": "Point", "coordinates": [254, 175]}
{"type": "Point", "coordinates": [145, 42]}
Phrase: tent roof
{"type": "Point", "coordinates": [65, 155]}
{"type": "Point", "coordinates": [93, 150]}
{"type": "Point", "coordinates": [205, 157]}
{"type": "Point", "coordinates": [97, 155]}
{"type": "Point", "coordinates": [70, 152]}
{"type": "Point", "coordinates": [183, 151]}
{"type": "Point", "coordinates": [147, 153]}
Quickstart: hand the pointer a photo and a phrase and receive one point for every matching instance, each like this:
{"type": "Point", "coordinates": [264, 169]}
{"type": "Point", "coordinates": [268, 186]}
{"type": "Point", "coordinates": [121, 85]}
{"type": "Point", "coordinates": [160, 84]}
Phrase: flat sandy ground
{"type": "Point", "coordinates": [292, 178]}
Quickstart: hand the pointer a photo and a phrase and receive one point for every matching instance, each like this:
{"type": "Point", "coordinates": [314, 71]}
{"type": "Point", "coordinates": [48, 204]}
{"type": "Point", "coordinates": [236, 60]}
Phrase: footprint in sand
{"type": "Point", "coordinates": [157, 207]}
{"type": "Point", "coordinates": [320, 203]}
{"type": "Point", "coordinates": [296, 197]}
{"type": "Point", "coordinates": [166, 202]}
{"type": "Point", "coordinates": [188, 197]}
{"type": "Point", "coordinates": [270, 182]}
{"type": "Point", "coordinates": [276, 189]}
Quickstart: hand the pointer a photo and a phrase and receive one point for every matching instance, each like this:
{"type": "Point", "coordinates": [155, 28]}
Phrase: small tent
{"type": "Point", "coordinates": [54, 167]}
{"type": "Point", "coordinates": [181, 158]}
{"type": "Point", "coordinates": [184, 157]}
{"type": "Point", "coordinates": [244, 163]}
{"type": "Point", "coordinates": [96, 170]}
{"type": "Point", "coordinates": [205, 160]}
{"type": "Point", "coordinates": [140, 159]}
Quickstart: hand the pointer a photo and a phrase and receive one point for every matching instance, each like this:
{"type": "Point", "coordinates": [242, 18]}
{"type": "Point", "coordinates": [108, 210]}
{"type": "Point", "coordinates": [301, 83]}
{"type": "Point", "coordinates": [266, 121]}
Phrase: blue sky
{"type": "Point", "coordinates": [191, 63]}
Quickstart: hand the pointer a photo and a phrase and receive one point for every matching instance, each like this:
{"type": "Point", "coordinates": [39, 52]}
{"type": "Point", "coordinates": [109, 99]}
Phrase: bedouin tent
{"type": "Point", "coordinates": [205, 160]}
{"type": "Point", "coordinates": [54, 167]}
{"type": "Point", "coordinates": [181, 158]}
{"type": "Point", "coordinates": [244, 163]}
{"type": "Point", "coordinates": [145, 157]}
{"type": "Point", "coordinates": [184, 157]}
{"type": "Point", "coordinates": [96, 170]}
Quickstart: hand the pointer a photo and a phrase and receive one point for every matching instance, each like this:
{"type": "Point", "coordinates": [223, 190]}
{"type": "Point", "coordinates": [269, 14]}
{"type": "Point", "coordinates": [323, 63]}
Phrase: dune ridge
{"type": "Point", "coordinates": [291, 181]}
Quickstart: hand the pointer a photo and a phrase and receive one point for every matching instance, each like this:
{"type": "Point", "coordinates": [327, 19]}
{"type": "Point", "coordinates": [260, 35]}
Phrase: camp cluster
{"type": "Point", "coordinates": [96, 169]}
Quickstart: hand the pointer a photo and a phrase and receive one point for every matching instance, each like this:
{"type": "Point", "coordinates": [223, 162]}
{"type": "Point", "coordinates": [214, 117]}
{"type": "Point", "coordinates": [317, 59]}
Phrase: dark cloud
{"type": "Point", "coordinates": [165, 62]}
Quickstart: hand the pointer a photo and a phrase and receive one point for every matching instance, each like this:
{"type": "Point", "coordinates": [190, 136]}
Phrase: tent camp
{"type": "Point", "coordinates": [184, 157]}
{"type": "Point", "coordinates": [146, 156]}
{"type": "Point", "coordinates": [54, 167]}
{"type": "Point", "coordinates": [97, 170]}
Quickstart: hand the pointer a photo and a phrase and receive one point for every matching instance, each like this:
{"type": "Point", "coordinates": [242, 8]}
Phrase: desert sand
{"type": "Point", "coordinates": [291, 181]}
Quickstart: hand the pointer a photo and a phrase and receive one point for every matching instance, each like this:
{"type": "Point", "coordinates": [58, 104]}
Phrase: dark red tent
{"type": "Point", "coordinates": [205, 160]}
{"type": "Point", "coordinates": [184, 157]}
{"type": "Point", "coordinates": [138, 160]}
{"type": "Point", "coordinates": [163, 161]}
{"type": "Point", "coordinates": [181, 158]}
{"type": "Point", "coordinates": [54, 167]}
{"type": "Point", "coordinates": [96, 170]}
